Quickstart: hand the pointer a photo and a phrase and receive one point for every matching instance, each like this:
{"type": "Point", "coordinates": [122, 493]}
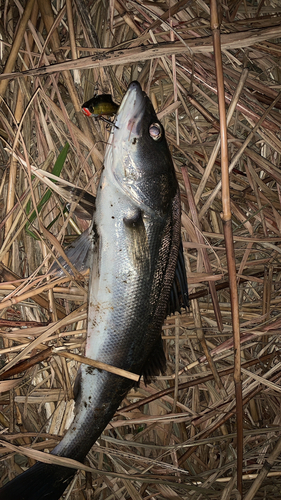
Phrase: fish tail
{"type": "Point", "coordinates": [40, 482]}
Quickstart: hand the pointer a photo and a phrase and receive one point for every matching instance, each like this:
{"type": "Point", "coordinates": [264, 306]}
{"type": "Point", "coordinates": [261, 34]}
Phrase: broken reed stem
{"type": "Point", "coordinates": [27, 363]}
{"type": "Point", "coordinates": [98, 364]}
{"type": "Point", "coordinates": [135, 54]}
{"type": "Point", "coordinates": [227, 225]}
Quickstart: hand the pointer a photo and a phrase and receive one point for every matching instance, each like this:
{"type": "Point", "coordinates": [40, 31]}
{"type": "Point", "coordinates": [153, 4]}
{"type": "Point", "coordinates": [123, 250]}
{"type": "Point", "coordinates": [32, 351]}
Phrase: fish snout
{"type": "Point", "coordinates": [130, 114]}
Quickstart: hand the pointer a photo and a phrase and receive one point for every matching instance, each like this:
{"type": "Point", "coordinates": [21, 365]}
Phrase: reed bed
{"type": "Point", "coordinates": [210, 428]}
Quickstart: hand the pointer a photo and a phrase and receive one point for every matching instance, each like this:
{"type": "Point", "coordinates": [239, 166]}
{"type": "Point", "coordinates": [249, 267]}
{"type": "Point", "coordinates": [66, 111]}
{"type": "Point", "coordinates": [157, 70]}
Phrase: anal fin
{"type": "Point", "coordinates": [155, 363]}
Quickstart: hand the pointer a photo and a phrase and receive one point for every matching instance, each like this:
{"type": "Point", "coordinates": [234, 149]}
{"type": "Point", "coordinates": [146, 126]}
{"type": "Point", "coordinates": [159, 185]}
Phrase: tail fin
{"type": "Point", "coordinates": [40, 482]}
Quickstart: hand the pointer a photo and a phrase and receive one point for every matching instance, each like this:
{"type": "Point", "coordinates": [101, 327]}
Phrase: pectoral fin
{"type": "Point", "coordinates": [137, 241]}
{"type": "Point", "coordinates": [79, 254]}
{"type": "Point", "coordinates": [86, 202]}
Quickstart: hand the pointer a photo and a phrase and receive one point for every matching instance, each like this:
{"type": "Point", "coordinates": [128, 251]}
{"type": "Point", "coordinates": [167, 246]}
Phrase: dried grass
{"type": "Point", "coordinates": [177, 437]}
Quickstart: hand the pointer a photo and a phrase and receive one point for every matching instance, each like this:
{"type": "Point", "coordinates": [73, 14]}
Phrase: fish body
{"type": "Point", "coordinates": [135, 242]}
{"type": "Point", "coordinates": [100, 105]}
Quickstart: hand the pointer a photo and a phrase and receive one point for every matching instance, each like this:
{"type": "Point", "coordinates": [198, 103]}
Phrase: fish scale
{"type": "Point", "coordinates": [135, 241]}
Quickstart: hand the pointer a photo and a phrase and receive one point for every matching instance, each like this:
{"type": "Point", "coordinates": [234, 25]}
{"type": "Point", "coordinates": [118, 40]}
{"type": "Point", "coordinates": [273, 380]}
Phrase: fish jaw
{"type": "Point", "coordinates": [130, 115]}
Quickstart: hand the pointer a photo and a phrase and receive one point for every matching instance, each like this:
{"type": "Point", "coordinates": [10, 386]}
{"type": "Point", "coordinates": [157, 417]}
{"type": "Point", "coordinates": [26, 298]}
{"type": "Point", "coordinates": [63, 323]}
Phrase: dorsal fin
{"type": "Point", "coordinates": [179, 290]}
{"type": "Point", "coordinates": [156, 362]}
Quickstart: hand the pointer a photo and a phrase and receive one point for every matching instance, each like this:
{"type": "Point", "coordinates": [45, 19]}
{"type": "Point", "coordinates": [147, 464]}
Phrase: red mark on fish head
{"type": "Point", "coordinates": [130, 126]}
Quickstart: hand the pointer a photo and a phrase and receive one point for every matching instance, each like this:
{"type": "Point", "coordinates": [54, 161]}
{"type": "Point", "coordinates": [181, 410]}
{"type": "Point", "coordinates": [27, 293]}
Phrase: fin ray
{"type": "Point", "coordinates": [155, 363]}
{"type": "Point", "coordinates": [79, 254]}
{"type": "Point", "coordinates": [179, 289]}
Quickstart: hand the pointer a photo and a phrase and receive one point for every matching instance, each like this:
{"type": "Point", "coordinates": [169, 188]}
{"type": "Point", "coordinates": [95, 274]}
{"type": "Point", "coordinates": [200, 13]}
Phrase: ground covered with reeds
{"type": "Point", "coordinates": [210, 427]}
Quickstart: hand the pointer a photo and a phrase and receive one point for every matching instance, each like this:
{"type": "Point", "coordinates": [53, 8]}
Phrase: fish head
{"type": "Point", "coordinates": [138, 153]}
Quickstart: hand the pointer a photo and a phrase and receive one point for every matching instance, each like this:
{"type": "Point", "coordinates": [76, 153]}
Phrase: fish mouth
{"type": "Point", "coordinates": [130, 114]}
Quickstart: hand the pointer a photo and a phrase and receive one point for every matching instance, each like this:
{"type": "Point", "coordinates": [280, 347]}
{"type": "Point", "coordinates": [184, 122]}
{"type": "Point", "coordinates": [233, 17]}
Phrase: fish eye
{"type": "Point", "coordinates": [155, 131]}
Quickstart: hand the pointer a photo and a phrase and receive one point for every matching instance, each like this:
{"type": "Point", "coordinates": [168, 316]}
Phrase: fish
{"type": "Point", "coordinates": [137, 274]}
{"type": "Point", "coordinates": [100, 105]}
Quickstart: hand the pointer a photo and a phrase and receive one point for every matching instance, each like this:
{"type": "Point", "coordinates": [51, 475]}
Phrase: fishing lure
{"type": "Point", "coordinates": [100, 106]}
